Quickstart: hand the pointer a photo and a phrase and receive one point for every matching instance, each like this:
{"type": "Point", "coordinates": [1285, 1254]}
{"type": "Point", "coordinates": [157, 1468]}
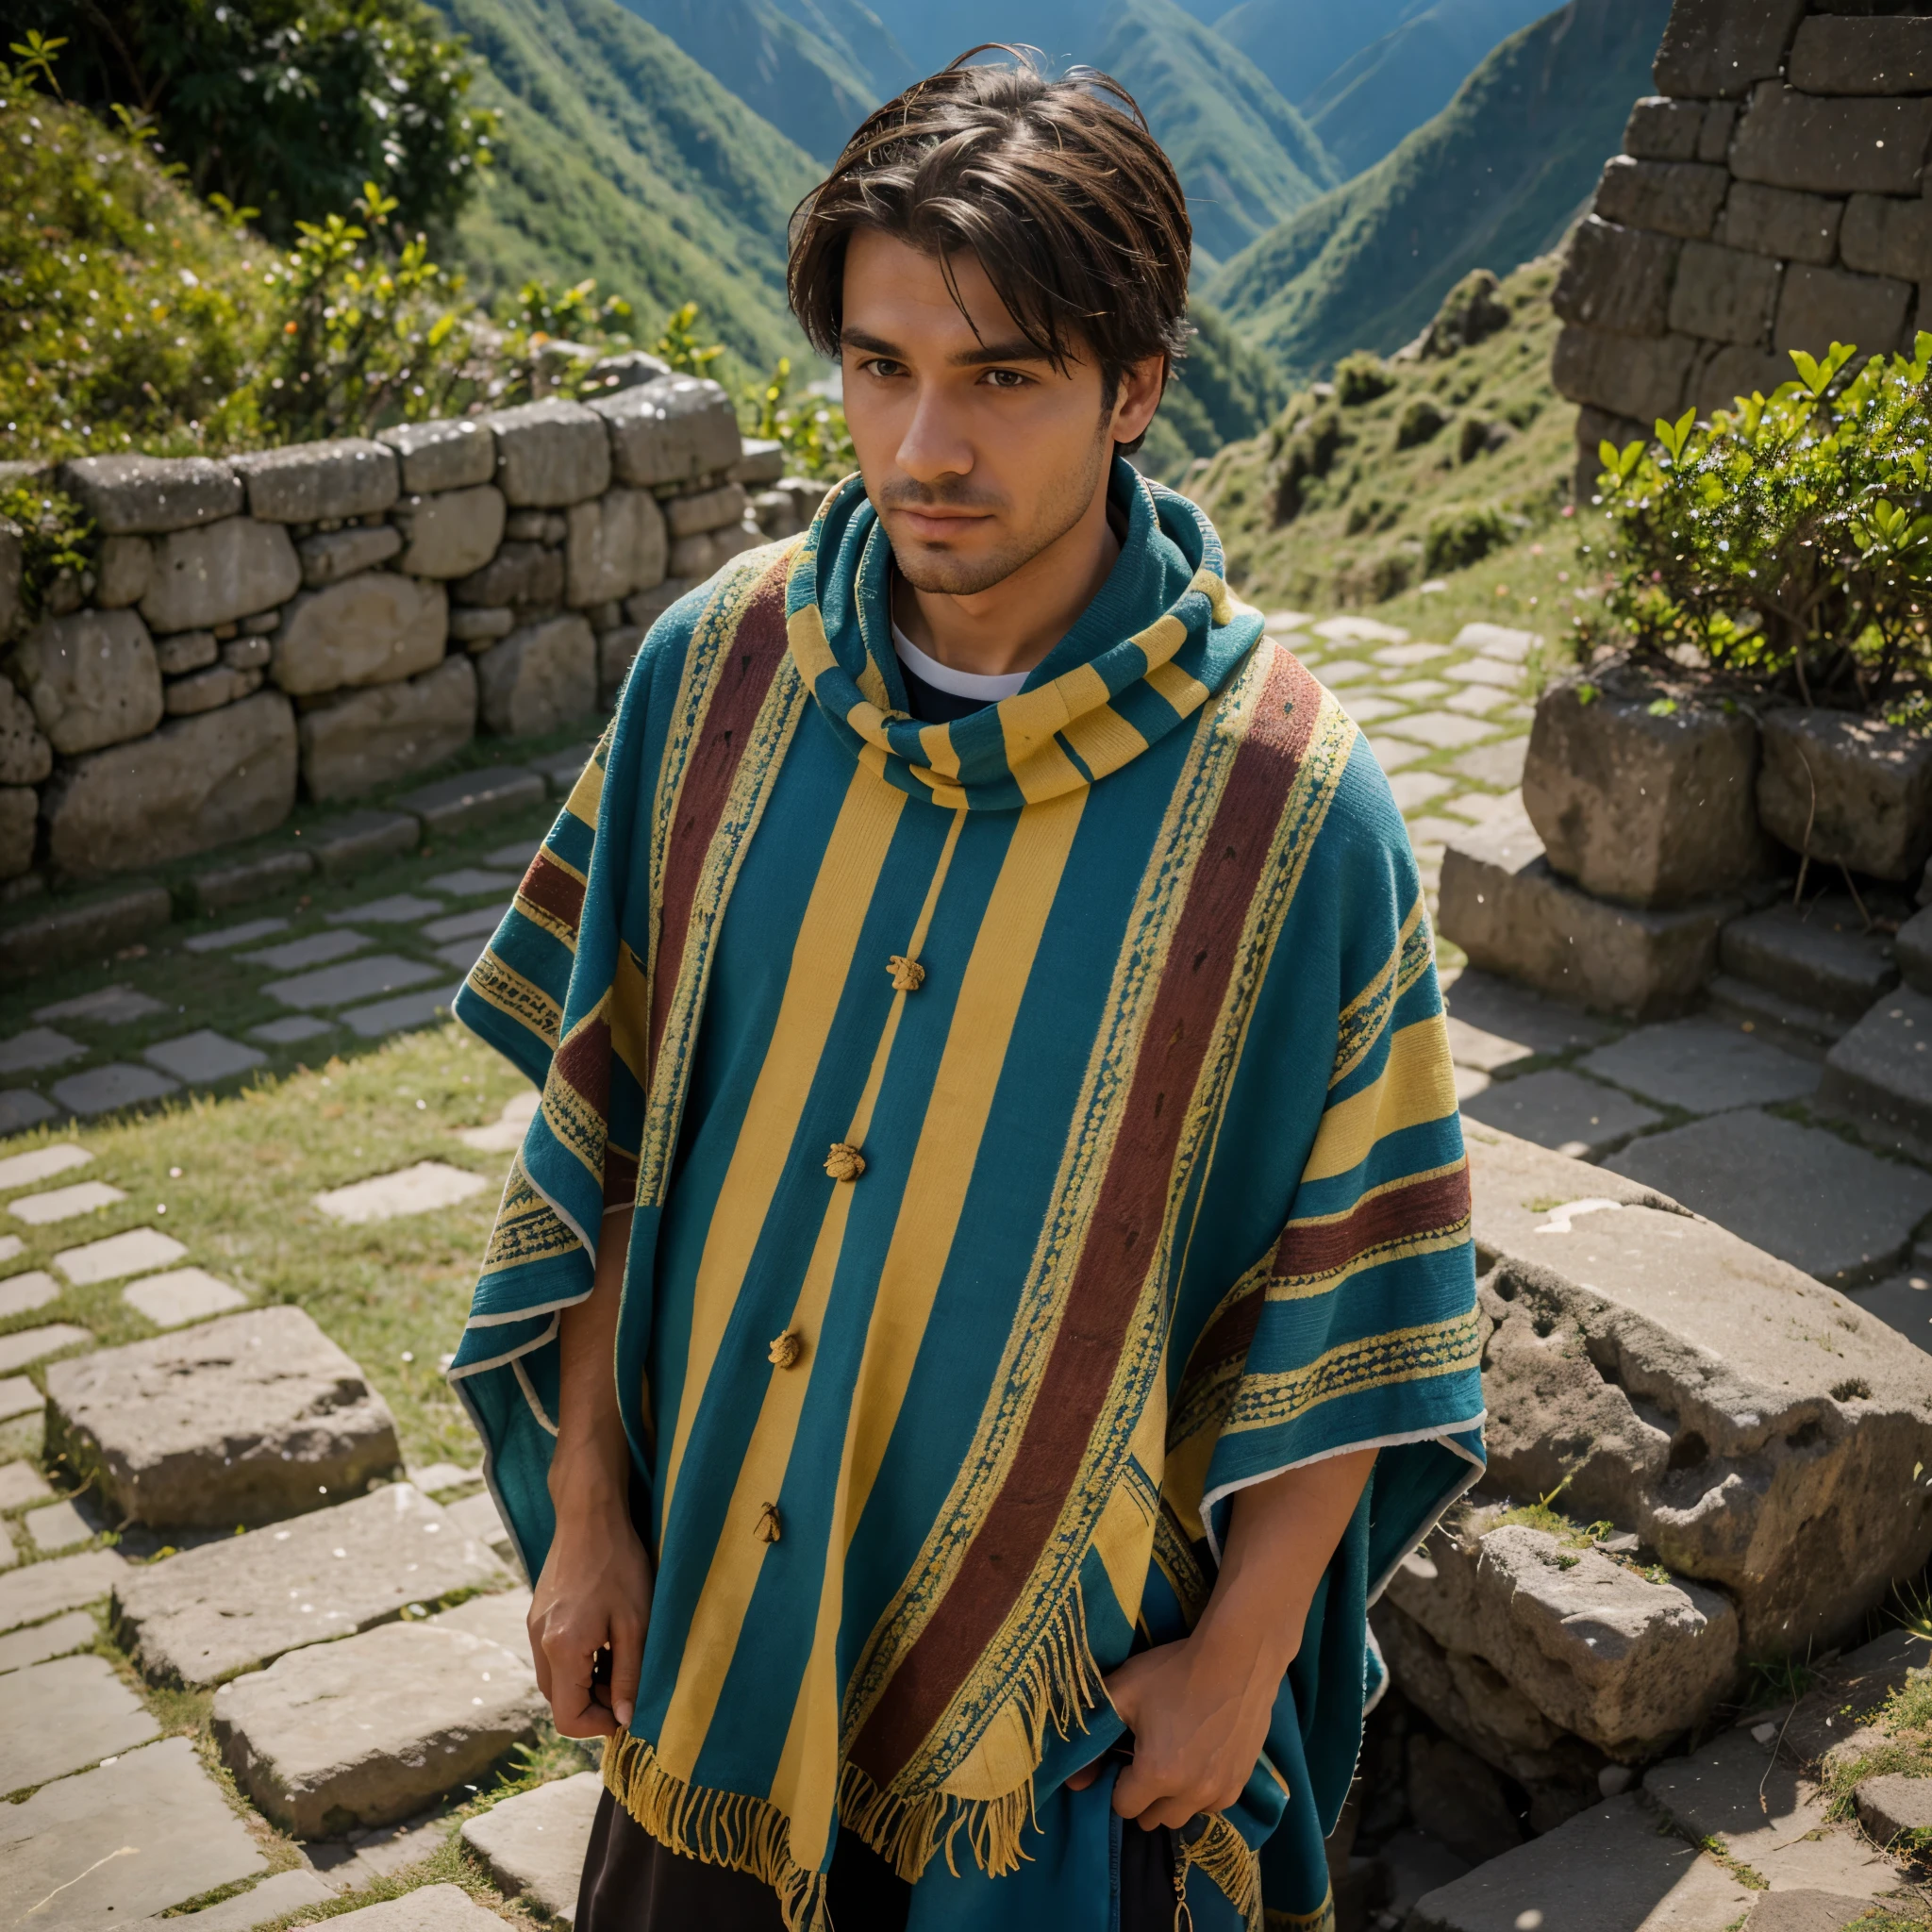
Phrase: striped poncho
{"type": "Point", "coordinates": [1039, 1126]}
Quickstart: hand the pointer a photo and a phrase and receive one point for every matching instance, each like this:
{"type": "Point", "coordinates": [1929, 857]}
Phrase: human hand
{"type": "Point", "coordinates": [1198, 1711]}
{"type": "Point", "coordinates": [595, 1590]}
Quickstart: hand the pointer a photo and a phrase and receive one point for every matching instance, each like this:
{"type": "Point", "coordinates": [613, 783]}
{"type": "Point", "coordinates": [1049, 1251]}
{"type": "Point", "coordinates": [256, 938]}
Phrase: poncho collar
{"type": "Point", "coordinates": [1164, 634]}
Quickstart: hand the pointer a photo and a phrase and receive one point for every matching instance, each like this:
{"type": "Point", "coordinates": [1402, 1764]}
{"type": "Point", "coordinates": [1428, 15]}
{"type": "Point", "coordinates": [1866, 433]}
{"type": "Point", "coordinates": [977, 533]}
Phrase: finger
{"type": "Point", "coordinates": [539, 1657]}
{"type": "Point", "coordinates": [1085, 1776]}
{"type": "Point", "coordinates": [573, 1704]}
{"type": "Point", "coordinates": [627, 1666]}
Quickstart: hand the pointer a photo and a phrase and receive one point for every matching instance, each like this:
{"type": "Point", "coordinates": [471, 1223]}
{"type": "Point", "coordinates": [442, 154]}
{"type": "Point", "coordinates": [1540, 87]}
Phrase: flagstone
{"type": "Point", "coordinates": [42, 1163]}
{"type": "Point", "coordinates": [77, 1630]}
{"type": "Point", "coordinates": [453, 805]}
{"type": "Point", "coordinates": [1414, 790]}
{"type": "Point", "coordinates": [1703, 1066]}
{"type": "Point", "coordinates": [124, 1841]}
{"type": "Point", "coordinates": [1370, 708]}
{"type": "Point", "coordinates": [27, 1345]}
{"type": "Point", "coordinates": [229, 937]}
{"type": "Point", "coordinates": [1474, 701]}
{"type": "Point", "coordinates": [10, 1245]}
{"type": "Point", "coordinates": [184, 1294]}
{"type": "Point", "coordinates": [418, 1190]}
{"type": "Point", "coordinates": [1801, 1193]}
{"type": "Point", "coordinates": [20, 1482]}
{"type": "Point", "coordinates": [275, 1897]}
{"type": "Point", "coordinates": [1345, 671]}
{"type": "Point", "coordinates": [505, 1134]}
{"type": "Point", "coordinates": [1562, 1110]}
{"type": "Point", "coordinates": [400, 1014]}
{"type": "Point", "coordinates": [1442, 731]}
{"type": "Point", "coordinates": [1487, 671]}
{"type": "Point", "coordinates": [354, 1863]}
{"type": "Point", "coordinates": [1497, 641]}
{"type": "Point", "coordinates": [204, 1056]}
{"type": "Point", "coordinates": [133, 1253]}
{"type": "Point", "coordinates": [355, 979]}
{"type": "Point", "coordinates": [470, 880]}
{"type": "Point", "coordinates": [1479, 807]}
{"type": "Point", "coordinates": [1495, 764]}
{"type": "Point", "coordinates": [22, 1107]}
{"type": "Point", "coordinates": [18, 1397]}
{"type": "Point", "coordinates": [1391, 754]}
{"type": "Point", "coordinates": [21, 1293]}
{"type": "Point", "coordinates": [237, 1603]}
{"type": "Point", "coordinates": [318, 949]}
{"type": "Point", "coordinates": [478, 1516]}
{"type": "Point", "coordinates": [1364, 630]}
{"type": "Point", "coordinates": [66, 1583]}
{"type": "Point", "coordinates": [368, 1730]}
{"type": "Point", "coordinates": [38, 1047]}
{"type": "Point", "coordinates": [56, 1526]}
{"type": "Point", "coordinates": [1904, 1302]}
{"type": "Point", "coordinates": [461, 954]}
{"type": "Point", "coordinates": [1404, 657]}
{"type": "Point", "coordinates": [63, 1204]}
{"type": "Point", "coordinates": [534, 1845]}
{"type": "Point", "coordinates": [9, 1553]}
{"type": "Point", "coordinates": [296, 1027]}
{"type": "Point", "coordinates": [504, 1618]}
{"type": "Point", "coordinates": [518, 853]}
{"type": "Point", "coordinates": [1419, 690]}
{"type": "Point", "coordinates": [399, 909]}
{"type": "Point", "coordinates": [463, 926]}
{"type": "Point", "coordinates": [429, 1908]}
{"type": "Point", "coordinates": [247, 1419]}
{"type": "Point", "coordinates": [112, 1005]}
{"type": "Point", "coordinates": [101, 1090]}
{"type": "Point", "coordinates": [442, 1475]}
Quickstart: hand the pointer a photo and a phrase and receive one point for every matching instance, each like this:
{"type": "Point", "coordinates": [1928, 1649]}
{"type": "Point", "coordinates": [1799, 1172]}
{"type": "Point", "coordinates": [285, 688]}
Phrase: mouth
{"type": "Point", "coordinates": [937, 525]}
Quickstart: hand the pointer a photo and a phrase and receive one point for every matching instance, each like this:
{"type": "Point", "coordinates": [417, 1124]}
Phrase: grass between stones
{"type": "Point", "coordinates": [234, 1179]}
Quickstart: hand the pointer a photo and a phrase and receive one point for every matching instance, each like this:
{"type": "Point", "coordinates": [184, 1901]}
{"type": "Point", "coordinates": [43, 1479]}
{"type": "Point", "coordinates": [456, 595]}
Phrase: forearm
{"type": "Point", "coordinates": [1281, 1534]}
{"type": "Point", "coordinates": [589, 1465]}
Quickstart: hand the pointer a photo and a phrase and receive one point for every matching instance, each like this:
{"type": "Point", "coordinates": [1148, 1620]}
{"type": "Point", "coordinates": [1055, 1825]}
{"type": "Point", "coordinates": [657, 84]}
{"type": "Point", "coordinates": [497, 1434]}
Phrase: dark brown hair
{"type": "Point", "coordinates": [1057, 186]}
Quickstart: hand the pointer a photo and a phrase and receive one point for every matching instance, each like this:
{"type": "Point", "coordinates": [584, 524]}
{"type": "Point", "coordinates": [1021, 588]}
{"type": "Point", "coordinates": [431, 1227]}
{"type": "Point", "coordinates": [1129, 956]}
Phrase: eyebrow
{"type": "Point", "coordinates": [1016, 350]}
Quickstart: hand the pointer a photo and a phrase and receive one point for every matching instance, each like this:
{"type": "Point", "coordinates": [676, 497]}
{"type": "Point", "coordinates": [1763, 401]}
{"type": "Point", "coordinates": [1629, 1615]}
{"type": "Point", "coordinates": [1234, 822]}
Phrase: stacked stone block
{"type": "Point", "coordinates": [331, 617]}
{"type": "Point", "coordinates": [1770, 197]}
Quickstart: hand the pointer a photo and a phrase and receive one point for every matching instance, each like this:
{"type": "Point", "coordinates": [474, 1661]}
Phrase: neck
{"type": "Point", "coordinates": [1012, 626]}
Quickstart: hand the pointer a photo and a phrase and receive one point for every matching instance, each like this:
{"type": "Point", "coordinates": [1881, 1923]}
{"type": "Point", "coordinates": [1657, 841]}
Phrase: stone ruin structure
{"type": "Point", "coordinates": [326, 619]}
{"type": "Point", "coordinates": [1771, 196]}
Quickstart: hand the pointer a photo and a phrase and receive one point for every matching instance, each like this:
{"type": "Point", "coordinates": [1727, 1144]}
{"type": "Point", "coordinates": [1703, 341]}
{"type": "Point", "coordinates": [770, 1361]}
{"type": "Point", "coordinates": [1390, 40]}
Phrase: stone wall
{"type": "Point", "coordinates": [331, 617]}
{"type": "Point", "coordinates": [1769, 197]}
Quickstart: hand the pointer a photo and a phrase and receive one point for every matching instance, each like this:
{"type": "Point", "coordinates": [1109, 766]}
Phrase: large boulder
{"type": "Point", "coordinates": [1848, 789]}
{"type": "Point", "coordinates": [616, 545]}
{"type": "Point", "coordinates": [524, 576]}
{"type": "Point", "coordinates": [1754, 1428]}
{"type": "Point", "coordinates": [248, 1419]}
{"type": "Point", "coordinates": [134, 495]}
{"type": "Point", "coordinates": [92, 679]}
{"type": "Point", "coordinates": [1623, 1659]}
{"type": "Point", "coordinates": [25, 756]}
{"type": "Point", "coordinates": [1506, 908]}
{"type": "Point", "coordinates": [370, 629]}
{"type": "Point", "coordinates": [19, 811]}
{"type": "Point", "coordinates": [1650, 808]}
{"type": "Point", "coordinates": [219, 572]}
{"type": "Point", "coordinates": [320, 482]}
{"type": "Point", "coordinates": [550, 454]}
{"type": "Point", "coordinates": [451, 533]}
{"type": "Point", "coordinates": [674, 430]}
{"type": "Point", "coordinates": [539, 678]}
{"type": "Point", "coordinates": [195, 783]}
{"type": "Point", "coordinates": [369, 737]}
{"type": "Point", "coordinates": [449, 455]}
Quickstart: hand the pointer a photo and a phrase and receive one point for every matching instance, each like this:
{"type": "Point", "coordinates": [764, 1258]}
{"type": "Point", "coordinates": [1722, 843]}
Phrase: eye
{"type": "Point", "coordinates": [882, 366]}
{"type": "Point", "coordinates": [1006, 378]}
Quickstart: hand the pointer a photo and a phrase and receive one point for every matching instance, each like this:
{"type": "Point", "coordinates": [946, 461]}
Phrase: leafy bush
{"type": "Point", "coordinates": [1457, 538]}
{"type": "Point", "coordinates": [1308, 455]}
{"type": "Point", "coordinates": [1790, 540]}
{"type": "Point", "coordinates": [1422, 422]}
{"type": "Point", "coordinates": [55, 542]}
{"type": "Point", "coordinates": [810, 429]}
{"type": "Point", "coordinates": [282, 107]}
{"type": "Point", "coordinates": [1360, 379]}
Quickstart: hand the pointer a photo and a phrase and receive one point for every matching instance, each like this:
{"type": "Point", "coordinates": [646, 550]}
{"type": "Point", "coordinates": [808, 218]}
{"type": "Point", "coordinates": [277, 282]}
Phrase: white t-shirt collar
{"type": "Point", "coordinates": [987, 688]}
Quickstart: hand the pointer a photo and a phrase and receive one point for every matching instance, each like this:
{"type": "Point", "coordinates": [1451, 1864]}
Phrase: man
{"type": "Point", "coordinates": [987, 1296]}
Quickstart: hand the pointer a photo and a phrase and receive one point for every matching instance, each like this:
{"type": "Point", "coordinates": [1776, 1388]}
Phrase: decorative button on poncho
{"type": "Point", "coordinates": [1163, 1193]}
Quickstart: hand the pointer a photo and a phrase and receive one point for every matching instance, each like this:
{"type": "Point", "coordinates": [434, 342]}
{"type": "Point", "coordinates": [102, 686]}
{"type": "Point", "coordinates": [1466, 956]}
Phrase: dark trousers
{"type": "Point", "coordinates": [632, 1884]}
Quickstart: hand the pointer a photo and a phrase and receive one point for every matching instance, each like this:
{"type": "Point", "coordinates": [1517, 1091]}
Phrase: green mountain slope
{"type": "Point", "coordinates": [775, 64]}
{"type": "Point", "coordinates": [1299, 43]}
{"type": "Point", "coordinates": [1224, 392]}
{"type": "Point", "coordinates": [1491, 181]}
{"type": "Point", "coordinates": [1244, 156]}
{"type": "Point", "coordinates": [621, 159]}
{"type": "Point", "coordinates": [1367, 106]}
{"type": "Point", "coordinates": [859, 37]}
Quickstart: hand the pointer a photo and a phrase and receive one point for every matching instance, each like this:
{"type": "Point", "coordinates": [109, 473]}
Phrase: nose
{"type": "Point", "coordinates": [935, 445]}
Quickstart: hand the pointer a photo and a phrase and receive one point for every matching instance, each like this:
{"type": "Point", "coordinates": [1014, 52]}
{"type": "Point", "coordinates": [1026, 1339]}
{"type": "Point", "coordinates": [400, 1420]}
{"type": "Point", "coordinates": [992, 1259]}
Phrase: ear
{"type": "Point", "coordinates": [1140, 388]}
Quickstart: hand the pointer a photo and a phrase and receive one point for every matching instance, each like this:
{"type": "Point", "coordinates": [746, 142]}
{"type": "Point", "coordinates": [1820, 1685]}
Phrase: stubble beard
{"type": "Point", "coordinates": [940, 571]}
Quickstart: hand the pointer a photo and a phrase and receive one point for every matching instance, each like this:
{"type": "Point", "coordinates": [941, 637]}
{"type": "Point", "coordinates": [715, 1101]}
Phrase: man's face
{"type": "Point", "coordinates": [975, 451]}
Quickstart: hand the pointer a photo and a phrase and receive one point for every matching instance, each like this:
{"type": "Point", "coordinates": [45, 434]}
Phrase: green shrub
{"type": "Point", "coordinates": [1790, 540]}
{"type": "Point", "coordinates": [1422, 422]}
{"type": "Point", "coordinates": [1360, 379]}
{"type": "Point", "coordinates": [57, 540]}
{"type": "Point", "coordinates": [1307, 456]}
{"type": "Point", "coordinates": [810, 429]}
{"type": "Point", "coordinates": [1457, 538]}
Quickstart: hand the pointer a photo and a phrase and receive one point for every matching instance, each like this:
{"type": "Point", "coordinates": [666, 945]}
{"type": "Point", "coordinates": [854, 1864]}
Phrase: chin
{"type": "Point", "coordinates": [950, 571]}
